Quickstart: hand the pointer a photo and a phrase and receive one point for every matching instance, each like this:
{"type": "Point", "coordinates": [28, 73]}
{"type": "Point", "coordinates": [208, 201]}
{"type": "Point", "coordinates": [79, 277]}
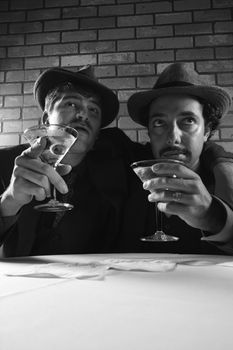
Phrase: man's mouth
{"type": "Point", "coordinates": [81, 128]}
{"type": "Point", "coordinates": [174, 154]}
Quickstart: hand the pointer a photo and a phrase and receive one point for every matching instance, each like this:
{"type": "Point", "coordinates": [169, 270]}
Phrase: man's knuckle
{"type": "Point", "coordinates": [39, 191]}
{"type": "Point", "coordinates": [41, 178]}
{"type": "Point", "coordinates": [18, 160]}
{"type": "Point", "coordinates": [45, 168]}
{"type": "Point", "coordinates": [17, 171]}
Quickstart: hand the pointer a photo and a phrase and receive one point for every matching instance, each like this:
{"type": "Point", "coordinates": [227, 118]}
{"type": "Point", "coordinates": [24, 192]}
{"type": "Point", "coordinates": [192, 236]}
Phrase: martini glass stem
{"type": "Point", "coordinates": [54, 191]}
{"type": "Point", "coordinates": [159, 219]}
{"type": "Point", "coordinates": [161, 236]}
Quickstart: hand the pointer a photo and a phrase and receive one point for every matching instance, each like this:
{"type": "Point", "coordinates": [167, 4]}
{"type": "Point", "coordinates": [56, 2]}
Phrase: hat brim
{"type": "Point", "coordinates": [139, 102]}
{"type": "Point", "coordinates": [55, 76]}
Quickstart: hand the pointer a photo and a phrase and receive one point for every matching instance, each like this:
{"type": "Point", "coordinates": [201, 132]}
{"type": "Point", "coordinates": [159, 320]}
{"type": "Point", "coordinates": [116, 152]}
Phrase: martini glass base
{"type": "Point", "coordinates": [54, 206]}
{"type": "Point", "coordinates": [159, 236]}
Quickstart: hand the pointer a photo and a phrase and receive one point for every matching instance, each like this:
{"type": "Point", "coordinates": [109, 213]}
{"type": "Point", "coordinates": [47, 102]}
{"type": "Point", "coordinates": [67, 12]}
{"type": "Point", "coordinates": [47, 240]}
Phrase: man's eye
{"type": "Point", "coordinates": [94, 110]}
{"type": "Point", "coordinates": [71, 104]}
{"type": "Point", "coordinates": [189, 121]}
{"type": "Point", "coordinates": [158, 123]}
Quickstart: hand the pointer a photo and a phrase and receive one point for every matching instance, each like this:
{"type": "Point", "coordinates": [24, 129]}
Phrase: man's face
{"type": "Point", "coordinates": [177, 129]}
{"type": "Point", "coordinates": [83, 113]}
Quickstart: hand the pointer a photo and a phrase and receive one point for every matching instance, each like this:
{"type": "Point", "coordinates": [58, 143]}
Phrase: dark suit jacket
{"type": "Point", "coordinates": [99, 196]}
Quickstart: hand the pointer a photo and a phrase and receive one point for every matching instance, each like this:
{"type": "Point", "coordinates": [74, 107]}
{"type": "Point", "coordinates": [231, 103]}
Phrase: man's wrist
{"type": "Point", "coordinates": [8, 206]}
{"type": "Point", "coordinates": [215, 219]}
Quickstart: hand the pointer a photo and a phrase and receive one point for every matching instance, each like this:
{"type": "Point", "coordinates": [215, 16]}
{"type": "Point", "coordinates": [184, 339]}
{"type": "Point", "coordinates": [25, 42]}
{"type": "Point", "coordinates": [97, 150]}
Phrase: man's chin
{"type": "Point", "coordinates": [80, 147]}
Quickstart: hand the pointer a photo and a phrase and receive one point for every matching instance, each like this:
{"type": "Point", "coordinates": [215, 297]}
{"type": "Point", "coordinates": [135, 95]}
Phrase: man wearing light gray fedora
{"type": "Point", "coordinates": [181, 112]}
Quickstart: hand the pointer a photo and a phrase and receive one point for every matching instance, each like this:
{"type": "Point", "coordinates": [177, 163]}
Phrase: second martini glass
{"type": "Point", "coordinates": [143, 169]}
{"type": "Point", "coordinates": [59, 139]}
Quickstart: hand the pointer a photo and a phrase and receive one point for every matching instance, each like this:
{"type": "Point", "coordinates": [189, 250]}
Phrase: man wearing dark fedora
{"type": "Point", "coordinates": [96, 186]}
{"type": "Point", "coordinates": [181, 113]}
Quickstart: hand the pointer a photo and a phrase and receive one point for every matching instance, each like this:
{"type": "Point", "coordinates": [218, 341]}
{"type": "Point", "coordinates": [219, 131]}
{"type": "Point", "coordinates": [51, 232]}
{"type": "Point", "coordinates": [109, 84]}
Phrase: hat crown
{"type": "Point", "coordinates": [87, 71]}
{"type": "Point", "coordinates": [178, 74]}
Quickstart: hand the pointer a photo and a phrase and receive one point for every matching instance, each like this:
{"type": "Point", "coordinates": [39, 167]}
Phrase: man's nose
{"type": "Point", "coordinates": [81, 115]}
{"type": "Point", "coordinates": [174, 135]}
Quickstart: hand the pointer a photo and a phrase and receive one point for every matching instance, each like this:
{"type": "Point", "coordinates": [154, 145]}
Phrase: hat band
{"type": "Point", "coordinates": [172, 84]}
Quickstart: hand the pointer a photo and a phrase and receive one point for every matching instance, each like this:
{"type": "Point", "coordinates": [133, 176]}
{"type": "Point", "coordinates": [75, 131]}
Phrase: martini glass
{"type": "Point", "coordinates": [59, 139]}
{"type": "Point", "coordinates": [143, 169]}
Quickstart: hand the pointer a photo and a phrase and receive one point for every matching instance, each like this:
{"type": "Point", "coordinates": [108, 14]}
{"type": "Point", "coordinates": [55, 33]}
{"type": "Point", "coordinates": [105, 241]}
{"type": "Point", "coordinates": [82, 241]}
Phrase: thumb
{"type": "Point", "coordinates": [63, 169]}
{"type": "Point", "coordinates": [36, 148]}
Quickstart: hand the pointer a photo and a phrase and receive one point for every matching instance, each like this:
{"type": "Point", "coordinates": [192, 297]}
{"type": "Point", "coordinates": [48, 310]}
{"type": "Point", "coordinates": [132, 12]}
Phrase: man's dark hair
{"type": "Point", "coordinates": [54, 93]}
{"type": "Point", "coordinates": [211, 116]}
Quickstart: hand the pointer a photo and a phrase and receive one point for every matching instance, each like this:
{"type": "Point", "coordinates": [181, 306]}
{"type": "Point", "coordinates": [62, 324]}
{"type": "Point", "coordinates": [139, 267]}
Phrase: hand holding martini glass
{"type": "Point", "coordinates": [143, 169]}
{"type": "Point", "coordinates": [59, 139]}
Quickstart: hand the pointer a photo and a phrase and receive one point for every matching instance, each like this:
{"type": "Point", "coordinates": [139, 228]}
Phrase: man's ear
{"type": "Point", "coordinates": [207, 133]}
{"type": "Point", "coordinates": [45, 118]}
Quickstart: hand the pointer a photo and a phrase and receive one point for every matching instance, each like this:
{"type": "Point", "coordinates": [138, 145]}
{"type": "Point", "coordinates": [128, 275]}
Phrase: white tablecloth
{"type": "Point", "coordinates": [189, 308]}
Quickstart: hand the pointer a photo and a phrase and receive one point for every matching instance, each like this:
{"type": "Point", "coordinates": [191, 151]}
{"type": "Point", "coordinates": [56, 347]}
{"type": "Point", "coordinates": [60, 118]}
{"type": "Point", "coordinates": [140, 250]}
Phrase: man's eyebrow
{"type": "Point", "coordinates": [79, 97]}
{"type": "Point", "coordinates": [157, 114]}
{"type": "Point", "coordinates": [95, 100]}
{"type": "Point", "coordinates": [163, 115]}
{"type": "Point", "coordinates": [187, 113]}
{"type": "Point", "coordinates": [71, 96]}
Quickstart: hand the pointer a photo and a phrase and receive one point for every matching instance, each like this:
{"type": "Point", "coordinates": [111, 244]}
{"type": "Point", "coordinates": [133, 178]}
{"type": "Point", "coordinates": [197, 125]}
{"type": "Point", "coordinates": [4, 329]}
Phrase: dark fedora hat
{"type": "Point", "coordinates": [85, 78]}
{"type": "Point", "coordinates": [178, 78]}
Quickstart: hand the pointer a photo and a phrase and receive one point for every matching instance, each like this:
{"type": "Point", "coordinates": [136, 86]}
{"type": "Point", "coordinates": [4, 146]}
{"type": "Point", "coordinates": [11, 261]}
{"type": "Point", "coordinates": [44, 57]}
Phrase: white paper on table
{"type": "Point", "coordinates": [226, 263]}
{"type": "Point", "coordinates": [54, 270]}
{"type": "Point", "coordinates": [146, 265]}
{"type": "Point", "coordinates": [84, 271]}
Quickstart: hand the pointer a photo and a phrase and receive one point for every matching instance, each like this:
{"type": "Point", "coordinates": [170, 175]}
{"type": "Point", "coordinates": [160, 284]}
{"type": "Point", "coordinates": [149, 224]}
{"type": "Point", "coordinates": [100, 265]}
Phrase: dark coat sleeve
{"type": "Point", "coordinates": [213, 154]}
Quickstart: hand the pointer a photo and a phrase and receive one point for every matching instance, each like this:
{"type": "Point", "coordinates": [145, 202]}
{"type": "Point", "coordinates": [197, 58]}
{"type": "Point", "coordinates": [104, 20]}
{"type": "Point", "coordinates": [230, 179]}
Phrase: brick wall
{"type": "Point", "coordinates": [128, 41]}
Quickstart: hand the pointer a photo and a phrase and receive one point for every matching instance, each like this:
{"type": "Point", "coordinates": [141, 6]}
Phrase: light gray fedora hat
{"type": "Point", "coordinates": [178, 78]}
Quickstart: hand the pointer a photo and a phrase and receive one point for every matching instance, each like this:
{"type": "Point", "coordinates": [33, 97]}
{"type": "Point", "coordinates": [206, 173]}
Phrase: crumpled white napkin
{"type": "Point", "coordinates": [226, 264]}
{"type": "Point", "coordinates": [146, 265]}
{"type": "Point", "coordinates": [97, 270]}
{"type": "Point", "coordinates": [54, 270]}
